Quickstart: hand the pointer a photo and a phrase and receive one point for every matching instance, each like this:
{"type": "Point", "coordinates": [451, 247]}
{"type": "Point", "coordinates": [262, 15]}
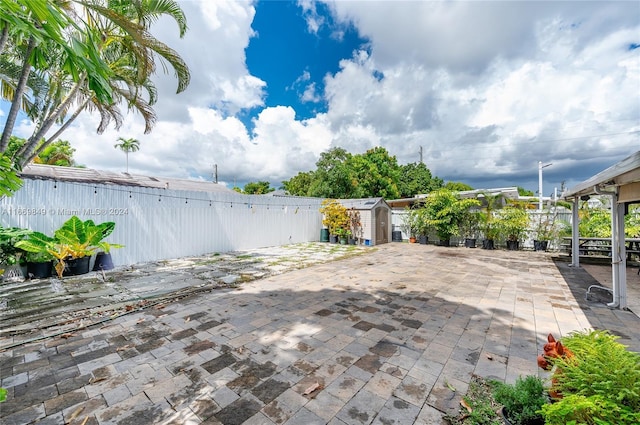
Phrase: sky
{"type": "Point", "coordinates": [485, 90]}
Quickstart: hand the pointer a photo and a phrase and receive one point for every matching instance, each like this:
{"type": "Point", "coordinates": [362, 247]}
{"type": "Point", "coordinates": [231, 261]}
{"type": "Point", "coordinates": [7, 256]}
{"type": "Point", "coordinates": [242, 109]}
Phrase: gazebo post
{"type": "Point", "coordinates": [575, 234]}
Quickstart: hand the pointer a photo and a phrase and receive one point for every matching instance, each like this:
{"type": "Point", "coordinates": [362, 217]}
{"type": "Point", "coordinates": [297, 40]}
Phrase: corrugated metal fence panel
{"type": "Point", "coordinates": [156, 224]}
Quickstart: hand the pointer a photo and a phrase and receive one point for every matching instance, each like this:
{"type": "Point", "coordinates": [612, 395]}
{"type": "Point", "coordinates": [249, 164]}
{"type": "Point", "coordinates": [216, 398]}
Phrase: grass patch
{"type": "Point", "coordinates": [482, 409]}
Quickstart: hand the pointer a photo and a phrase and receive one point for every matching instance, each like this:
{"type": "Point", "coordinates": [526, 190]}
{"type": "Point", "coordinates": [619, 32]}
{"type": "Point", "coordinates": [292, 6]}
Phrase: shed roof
{"type": "Point", "coordinates": [88, 175]}
{"type": "Point", "coordinates": [625, 172]}
{"type": "Point", "coordinates": [363, 204]}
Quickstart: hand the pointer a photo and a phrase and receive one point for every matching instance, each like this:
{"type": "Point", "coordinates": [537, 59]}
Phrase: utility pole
{"type": "Point", "coordinates": [540, 167]}
{"type": "Point", "coordinates": [421, 155]}
{"type": "Point", "coordinates": [215, 173]}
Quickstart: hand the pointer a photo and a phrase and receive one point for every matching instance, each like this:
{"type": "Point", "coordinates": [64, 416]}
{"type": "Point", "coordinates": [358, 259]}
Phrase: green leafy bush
{"type": "Point", "coordinates": [600, 384]}
{"type": "Point", "coordinates": [522, 401]}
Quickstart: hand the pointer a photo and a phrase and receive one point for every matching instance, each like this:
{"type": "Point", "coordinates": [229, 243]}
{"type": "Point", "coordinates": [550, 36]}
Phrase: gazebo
{"type": "Point", "coordinates": [622, 183]}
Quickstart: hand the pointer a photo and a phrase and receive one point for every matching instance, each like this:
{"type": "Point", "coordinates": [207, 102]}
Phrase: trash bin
{"type": "Point", "coordinates": [324, 235]}
{"type": "Point", "coordinates": [396, 236]}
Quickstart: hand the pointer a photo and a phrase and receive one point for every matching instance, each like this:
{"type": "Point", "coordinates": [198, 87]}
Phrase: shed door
{"type": "Point", "coordinates": [382, 225]}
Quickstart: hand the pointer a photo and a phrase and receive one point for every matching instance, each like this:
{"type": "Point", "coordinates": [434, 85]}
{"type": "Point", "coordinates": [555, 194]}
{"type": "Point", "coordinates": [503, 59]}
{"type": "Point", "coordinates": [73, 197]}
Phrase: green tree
{"type": "Point", "coordinates": [57, 153]}
{"type": "Point", "coordinates": [457, 186]}
{"type": "Point", "coordinates": [444, 211]}
{"type": "Point", "coordinates": [126, 146]}
{"type": "Point", "coordinates": [376, 174]}
{"type": "Point", "coordinates": [257, 188]}
{"type": "Point", "coordinates": [416, 178]}
{"type": "Point", "coordinates": [333, 177]}
{"type": "Point", "coordinates": [524, 192]}
{"type": "Point", "coordinates": [299, 184]}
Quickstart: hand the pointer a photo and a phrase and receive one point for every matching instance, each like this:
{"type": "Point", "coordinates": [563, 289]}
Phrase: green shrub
{"type": "Point", "coordinates": [600, 384]}
{"type": "Point", "coordinates": [522, 401]}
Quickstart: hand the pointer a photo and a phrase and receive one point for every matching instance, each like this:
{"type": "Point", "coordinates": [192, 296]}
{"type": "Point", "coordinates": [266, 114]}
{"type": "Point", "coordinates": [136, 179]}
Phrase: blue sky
{"type": "Point", "coordinates": [292, 60]}
{"type": "Point", "coordinates": [487, 89]}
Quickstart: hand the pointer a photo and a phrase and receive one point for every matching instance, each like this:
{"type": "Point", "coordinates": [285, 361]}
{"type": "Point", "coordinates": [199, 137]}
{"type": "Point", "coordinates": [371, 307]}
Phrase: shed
{"type": "Point", "coordinates": [375, 219]}
{"type": "Point", "coordinates": [621, 182]}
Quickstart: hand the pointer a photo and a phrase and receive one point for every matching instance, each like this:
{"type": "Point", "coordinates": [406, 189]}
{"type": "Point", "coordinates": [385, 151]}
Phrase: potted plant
{"type": "Point", "coordinates": [444, 210]}
{"type": "Point", "coordinates": [334, 217]}
{"type": "Point", "coordinates": [39, 265]}
{"type": "Point", "coordinates": [40, 250]}
{"type": "Point", "coordinates": [410, 223]}
{"type": "Point", "coordinates": [343, 234]}
{"type": "Point", "coordinates": [490, 203]}
{"type": "Point", "coordinates": [512, 223]}
{"type": "Point", "coordinates": [355, 226]}
{"type": "Point", "coordinates": [470, 227]}
{"type": "Point", "coordinates": [10, 254]}
{"type": "Point", "coordinates": [423, 226]}
{"type": "Point", "coordinates": [521, 402]}
{"type": "Point", "coordinates": [545, 230]}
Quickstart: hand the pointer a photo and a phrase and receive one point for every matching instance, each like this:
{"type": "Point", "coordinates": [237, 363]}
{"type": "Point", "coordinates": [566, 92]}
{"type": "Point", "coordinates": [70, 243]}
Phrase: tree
{"type": "Point", "coordinates": [444, 211]}
{"type": "Point", "coordinates": [126, 146]}
{"type": "Point", "coordinates": [57, 153]}
{"type": "Point", "coordinates": [416, 178]}
{"type": "Point", "coordinates": [524, 192]}
{"type": "Point", "coordinates": [257, 188]}
{"type": "Point", "coordinates": [299, 184]}
{"type": "Point", "coordinates": [376, 174]}
{"type": "Point", "coordinates": [115, 35]}
{"type": "Point", "coordinates": [457, 186]}
{"type": "Point", "coordinates": [333, 178]}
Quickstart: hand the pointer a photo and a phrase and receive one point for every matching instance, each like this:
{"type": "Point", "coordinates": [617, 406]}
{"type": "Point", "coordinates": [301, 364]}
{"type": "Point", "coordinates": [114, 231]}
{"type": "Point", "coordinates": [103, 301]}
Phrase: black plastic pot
{"type": "Point", "coordinates": [470, 243]}
{"type": "Point", "coordinates": [540, 245]}
{"type": "Point", "coordinates": [396, 236]}
{"type": "Point", "coordinates": [39, 270]}
{"type": "Point", "coordinates": [487, 244]}
{"type": "Point", "coordinates": [333, 238]}
{"type": "Point", "coordinates": [103, 262]}
{"type": "Point", "coordinates": [352, 241]}
{"type": "Point", "coordinates": [423, 239]}
{"type": "Point", "coordinates": [76, 266]}
{"type": "Point", "coordinates": [513, 245]}
{"type": "Point", "coordinates": [444, 242]}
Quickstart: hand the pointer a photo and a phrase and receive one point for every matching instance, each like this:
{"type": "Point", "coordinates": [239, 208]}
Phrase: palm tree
{"type": "Point", "coordinates": [126, 146]}
{"type": "Point", "coordinates": [117, 35]}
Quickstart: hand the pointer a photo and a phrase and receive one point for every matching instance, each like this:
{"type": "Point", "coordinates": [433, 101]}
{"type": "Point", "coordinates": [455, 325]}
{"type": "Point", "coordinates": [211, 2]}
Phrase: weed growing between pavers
{"type": "Point", "coordinates": [483, 409]}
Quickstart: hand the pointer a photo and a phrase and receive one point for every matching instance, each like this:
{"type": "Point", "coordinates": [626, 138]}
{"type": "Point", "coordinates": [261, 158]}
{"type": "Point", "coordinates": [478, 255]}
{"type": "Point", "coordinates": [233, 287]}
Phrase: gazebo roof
{"type": "Point", "coordinates": [624, 175]}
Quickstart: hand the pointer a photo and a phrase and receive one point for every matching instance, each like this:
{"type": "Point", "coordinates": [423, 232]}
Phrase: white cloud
{"type": "Point", "coordinates": [486, 88]}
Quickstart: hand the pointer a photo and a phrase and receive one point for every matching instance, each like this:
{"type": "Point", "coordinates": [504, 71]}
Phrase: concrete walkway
{"type": "Point", "coordinates": [390, 336]}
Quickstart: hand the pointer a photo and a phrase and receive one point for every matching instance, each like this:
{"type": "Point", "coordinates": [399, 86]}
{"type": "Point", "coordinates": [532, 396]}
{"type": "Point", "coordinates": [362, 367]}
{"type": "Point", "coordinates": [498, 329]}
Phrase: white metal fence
{"type": "Point", "coordinates": [156, 224]}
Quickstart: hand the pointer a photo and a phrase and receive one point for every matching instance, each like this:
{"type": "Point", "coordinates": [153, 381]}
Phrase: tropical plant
{"type": "Point", "coordinates": [74, 239]}
{"type": "Point", "coordinates": [600, 384]}
{"type": "Point", "coordinates": [9, 237]}
{"type": "Point", "coordinates": [512, 223]}
{"type": "Point", "coordinates": [3, 394]}
{"type": "Point", "coordinates": [58, 153]}
{"type": "Point", "coordinates": [547, 227]}
{"type": "Point", "coordinates": [523, 400]}
{"type": "Point", "coordinates": [444, 210]}
{"type": "Point", "coordinates": [126, 146]}
{"type": "Point", "coordinates": [470, 224]}
{"type": "Point", "coordinates": [410, 221]}
{"type": "Point", "coordinates": [490, 204]}
{"type": "Point", "coordinates": [105, 57]}
{"type": "Point", "coordinates": [335, 216]}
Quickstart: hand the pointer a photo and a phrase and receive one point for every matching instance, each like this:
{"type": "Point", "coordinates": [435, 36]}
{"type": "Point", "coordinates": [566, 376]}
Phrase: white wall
{"type": "Point", "coordinates": [156, 224]}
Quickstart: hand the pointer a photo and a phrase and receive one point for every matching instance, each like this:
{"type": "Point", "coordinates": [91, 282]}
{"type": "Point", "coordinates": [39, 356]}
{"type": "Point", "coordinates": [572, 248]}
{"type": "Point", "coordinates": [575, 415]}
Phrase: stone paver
{"type": "Point", "coordinates": [390, 336]}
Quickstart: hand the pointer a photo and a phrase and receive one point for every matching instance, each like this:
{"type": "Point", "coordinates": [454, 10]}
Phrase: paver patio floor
{"type": "Point", "coordinates": [391, 336]}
